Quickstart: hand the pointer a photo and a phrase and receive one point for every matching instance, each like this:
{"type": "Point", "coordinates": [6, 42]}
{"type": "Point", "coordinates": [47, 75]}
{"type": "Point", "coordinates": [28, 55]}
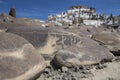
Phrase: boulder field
{"type": "Point", "coordinates": [27, 44]}
{"type": "Point", "coordinates": [66, 47]}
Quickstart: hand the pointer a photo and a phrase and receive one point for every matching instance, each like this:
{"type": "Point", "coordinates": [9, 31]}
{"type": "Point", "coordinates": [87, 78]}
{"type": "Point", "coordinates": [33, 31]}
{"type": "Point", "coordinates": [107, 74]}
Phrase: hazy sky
{"type": "Point", "coordinates": [41, 8]}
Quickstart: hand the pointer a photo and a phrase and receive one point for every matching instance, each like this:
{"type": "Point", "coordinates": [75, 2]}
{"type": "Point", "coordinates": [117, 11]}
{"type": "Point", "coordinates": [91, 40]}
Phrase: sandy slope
{"type": "Point", "coordinates": [111, 72]}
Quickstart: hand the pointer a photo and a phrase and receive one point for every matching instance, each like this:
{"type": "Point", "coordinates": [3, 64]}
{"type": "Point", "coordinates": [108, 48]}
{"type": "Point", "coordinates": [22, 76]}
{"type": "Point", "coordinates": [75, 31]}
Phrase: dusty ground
{"type": "Point", "coordinates": [111, 72]}
{"type": "Point", "coordinates": [106, 71]}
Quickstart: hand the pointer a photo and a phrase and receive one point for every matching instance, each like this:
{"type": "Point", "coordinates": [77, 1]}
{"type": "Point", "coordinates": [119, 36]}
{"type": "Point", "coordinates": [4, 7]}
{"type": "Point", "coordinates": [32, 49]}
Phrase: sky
{"type": "Point", "coordinates": [40, 9]}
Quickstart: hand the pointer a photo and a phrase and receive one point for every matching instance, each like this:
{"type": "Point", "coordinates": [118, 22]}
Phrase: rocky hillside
{"type": "Point", "coordinates": [34, 50]}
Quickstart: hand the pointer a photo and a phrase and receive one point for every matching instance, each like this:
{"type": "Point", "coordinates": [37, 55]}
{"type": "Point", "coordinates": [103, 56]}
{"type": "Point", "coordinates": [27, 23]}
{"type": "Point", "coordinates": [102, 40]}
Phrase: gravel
{"type": "Point", "coordinates": [65, 73]}
{"type": "Point", "coordinates": [90, 72]}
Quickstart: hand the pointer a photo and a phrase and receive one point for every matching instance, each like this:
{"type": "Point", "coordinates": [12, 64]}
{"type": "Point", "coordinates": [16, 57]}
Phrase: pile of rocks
{"type": "Point", "coordinates": [65, 73]}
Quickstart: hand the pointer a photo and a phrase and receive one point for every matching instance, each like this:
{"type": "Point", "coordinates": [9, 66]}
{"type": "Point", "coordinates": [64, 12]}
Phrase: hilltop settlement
{"type": "Point", "coordinates": [77, 15]}
{"type": "Point", "coordinates": [78, 44]}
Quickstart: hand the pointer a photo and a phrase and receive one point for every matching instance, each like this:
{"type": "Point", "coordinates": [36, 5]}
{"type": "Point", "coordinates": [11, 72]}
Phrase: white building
{"type": "Point", "coordinates": [93, 22]}
{"type": "Point", "coordinates": [75, 13]}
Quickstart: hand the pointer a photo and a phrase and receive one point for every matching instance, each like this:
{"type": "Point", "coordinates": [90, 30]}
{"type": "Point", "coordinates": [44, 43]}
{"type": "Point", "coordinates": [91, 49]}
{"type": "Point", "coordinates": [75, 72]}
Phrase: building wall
{"type": "Point", "coordinates": [93, 22]}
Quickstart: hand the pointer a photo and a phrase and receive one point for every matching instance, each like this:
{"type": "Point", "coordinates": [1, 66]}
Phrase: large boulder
{"type": "Point", "coordinates": [46, 40]}
{"type": "Point", "coordinates": [86, 52]}
{"type": "Point", "coordinates": [18, 58]}
{"type": "Point", "coordinates": [110, 40]}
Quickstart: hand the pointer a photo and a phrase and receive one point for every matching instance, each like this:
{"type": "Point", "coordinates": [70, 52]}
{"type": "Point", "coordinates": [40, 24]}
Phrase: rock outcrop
{"type": "Point", "coordinates": [86, 52]}
{"type": "Point", "coordinates": [12, 12]}
{"type": "Point", "coordinates": [46, 40]}
{"type": "Point", "coordinates": [18, 58]}
{"type": "Point", "coordinates": [110, 40]}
